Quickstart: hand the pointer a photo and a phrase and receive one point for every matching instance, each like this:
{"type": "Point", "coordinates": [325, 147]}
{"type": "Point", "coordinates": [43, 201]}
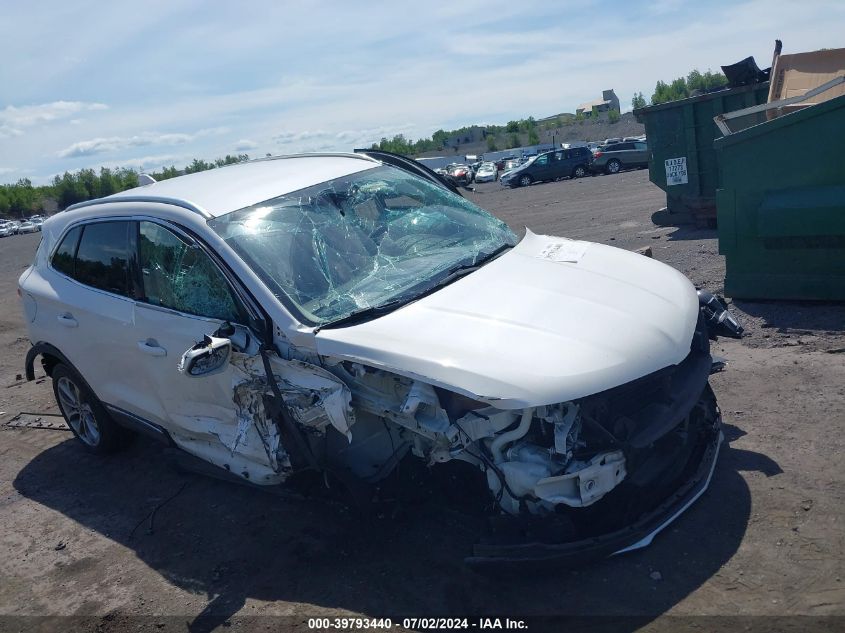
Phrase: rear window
{"type": "Point", "coordinates": [102, 259]}
{"type": "Point", "coordinates": [63, 257]}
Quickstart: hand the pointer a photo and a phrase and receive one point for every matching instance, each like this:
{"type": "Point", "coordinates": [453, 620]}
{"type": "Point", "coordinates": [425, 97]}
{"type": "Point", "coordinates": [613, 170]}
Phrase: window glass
{"type": "Point", "coordinates": [63, 257]}
{"type": "Point", "coordinates": [361, 241]}
{"type": "Point", "coordinates": [640, 145]}
{"type": "Point", "coordinates": [102, 260]}
{"type": "Point", "coordinates": [180, 276]}
{"type": "Point", "coordinates": [542, 160]}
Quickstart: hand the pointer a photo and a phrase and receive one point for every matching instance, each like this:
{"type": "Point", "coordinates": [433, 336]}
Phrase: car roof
{"type": "Point", "coordinates": [219, 191]}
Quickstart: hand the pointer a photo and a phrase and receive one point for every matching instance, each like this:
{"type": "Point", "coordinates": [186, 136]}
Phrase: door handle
{"type": "Point", "coordinates": [67, 320]}
{"type": "Point", "coordinates": [152, 348]}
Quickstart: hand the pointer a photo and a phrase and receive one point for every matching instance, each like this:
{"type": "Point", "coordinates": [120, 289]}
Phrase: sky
{"type": "Point", "coordinates": [148, 84]}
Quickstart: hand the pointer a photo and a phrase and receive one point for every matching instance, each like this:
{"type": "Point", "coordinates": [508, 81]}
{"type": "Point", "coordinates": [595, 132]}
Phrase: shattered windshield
{"type": "Point", "coordinates": [376, 237]}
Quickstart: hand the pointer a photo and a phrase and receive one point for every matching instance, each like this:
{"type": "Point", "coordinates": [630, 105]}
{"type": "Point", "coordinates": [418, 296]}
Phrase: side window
{"type": "Point", "coordinates": [640, 146]}
{"type": "Point", "coordinates": [180, 276]}
{"type": "Point", "coordinates": [63, 257]}
{"type": "Point", "coordinates": [542, 160]}
{"type": "Point", "coordinates": [102, 259]}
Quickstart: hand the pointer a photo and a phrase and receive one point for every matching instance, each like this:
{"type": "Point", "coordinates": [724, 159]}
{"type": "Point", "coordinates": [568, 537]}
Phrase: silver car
{"type": "Point", "coordinates": [27, 226]}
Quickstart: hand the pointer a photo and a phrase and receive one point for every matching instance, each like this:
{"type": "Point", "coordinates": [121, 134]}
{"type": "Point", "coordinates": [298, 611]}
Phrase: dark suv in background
{"type": "Point", "coordinates": [560, 163]}
{"type": "Point", "coordinates": [615, 157]}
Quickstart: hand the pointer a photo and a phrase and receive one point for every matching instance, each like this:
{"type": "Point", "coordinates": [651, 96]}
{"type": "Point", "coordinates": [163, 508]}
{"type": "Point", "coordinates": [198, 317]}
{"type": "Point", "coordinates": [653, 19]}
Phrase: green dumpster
{"type": "Point", "coordinates": [680, 136]}
{"type": "Point", "coordinates": [781, 206]}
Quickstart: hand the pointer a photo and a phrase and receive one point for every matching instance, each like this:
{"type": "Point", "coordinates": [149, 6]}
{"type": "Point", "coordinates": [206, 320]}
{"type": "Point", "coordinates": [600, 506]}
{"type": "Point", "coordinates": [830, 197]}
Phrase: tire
{"type": "Point", "coordinates": [525, 180]}
{"type": "Point", "coordinates": [613, 166]}
{"type": "Point", "coordinates": [85, 414]}
{"type": "Point", "coordinates": [579, 172]}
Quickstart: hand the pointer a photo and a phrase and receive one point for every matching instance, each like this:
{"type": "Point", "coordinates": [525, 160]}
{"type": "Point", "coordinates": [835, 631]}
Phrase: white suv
{"type": "Point", "coordinates": [348, 312]}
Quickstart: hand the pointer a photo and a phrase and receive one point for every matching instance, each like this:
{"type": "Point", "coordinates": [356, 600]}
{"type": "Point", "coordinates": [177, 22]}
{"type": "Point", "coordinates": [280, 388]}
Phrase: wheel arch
{"type": "Point", "coordinates": [50, 357]}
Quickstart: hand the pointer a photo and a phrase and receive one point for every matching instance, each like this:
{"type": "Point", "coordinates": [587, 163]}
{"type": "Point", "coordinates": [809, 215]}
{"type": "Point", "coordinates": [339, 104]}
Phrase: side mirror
{"type": "Point", "coordinates": [206, 357]}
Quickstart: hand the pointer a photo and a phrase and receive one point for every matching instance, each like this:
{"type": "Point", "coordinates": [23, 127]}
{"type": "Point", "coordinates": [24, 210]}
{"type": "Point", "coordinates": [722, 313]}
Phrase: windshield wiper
{"type": "Point", "coordinates": [367, 313]}
{"type": "Point", "coordinates": [376, 311]}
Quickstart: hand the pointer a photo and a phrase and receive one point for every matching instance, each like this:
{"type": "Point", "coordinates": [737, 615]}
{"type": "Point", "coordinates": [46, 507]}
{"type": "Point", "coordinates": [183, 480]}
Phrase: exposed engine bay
{"type": "Point", "coordinates": [626, 447]}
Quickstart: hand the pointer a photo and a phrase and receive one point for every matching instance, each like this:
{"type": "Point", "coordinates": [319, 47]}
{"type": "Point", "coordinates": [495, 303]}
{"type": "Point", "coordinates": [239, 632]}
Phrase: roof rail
{"type": "Point", "coordinates": [308, 155]}
{"type": "Point", "coordinates": [176, 202]}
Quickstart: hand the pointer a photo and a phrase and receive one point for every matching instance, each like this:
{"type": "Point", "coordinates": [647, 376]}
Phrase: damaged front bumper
{"type": "Point", "coordinates": [638, 534]}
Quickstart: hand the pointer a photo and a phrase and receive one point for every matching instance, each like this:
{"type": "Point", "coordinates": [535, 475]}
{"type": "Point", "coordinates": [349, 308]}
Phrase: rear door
{"type": "Point", "coordinates": [85, 301]}
{"type": "Point", "coordinates": [627, 155]}
{"type": "Point", "coordinates": [641, 153]}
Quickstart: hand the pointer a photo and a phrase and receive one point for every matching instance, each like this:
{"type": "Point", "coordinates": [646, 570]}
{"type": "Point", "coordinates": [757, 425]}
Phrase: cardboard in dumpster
{"type": "Point", "coordinates": [796, 74]}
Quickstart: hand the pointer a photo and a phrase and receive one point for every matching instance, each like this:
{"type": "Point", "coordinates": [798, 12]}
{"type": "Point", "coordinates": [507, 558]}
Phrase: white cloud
{"type": "Point", "coordinates": [244, 145]}
{"type": "Point", "coordinates": [14, 118]}
{"type": "Point", "coordinates": [286, 138]}
{"type": "Point", "coordinates": [7, 170]}
{"type": "Point", "coordinates": [7, 131]}
{"type": "Point", "coordinates": [118, 143]}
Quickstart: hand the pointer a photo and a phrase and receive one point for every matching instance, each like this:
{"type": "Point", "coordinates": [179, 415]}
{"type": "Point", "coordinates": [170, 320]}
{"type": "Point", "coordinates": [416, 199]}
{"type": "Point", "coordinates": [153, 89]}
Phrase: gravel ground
{"type": "Point", "coordinates": [761, 550]}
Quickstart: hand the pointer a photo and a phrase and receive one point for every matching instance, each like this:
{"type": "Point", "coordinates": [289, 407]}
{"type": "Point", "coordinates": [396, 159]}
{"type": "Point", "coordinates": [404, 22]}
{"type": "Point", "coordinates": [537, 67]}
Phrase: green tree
{"type": "Point", "coordinates": [491, 143]}
{"type": "Point", "coordinates": [682, 87]}
{"type": "Point", "coordinates": [613, 116]}
{"type": "Point", "coordinates": [638, 101]}
{"type": "Point", "coordinates": [533, 137]}
{"type": "Point", "coordinates": [513, 141]}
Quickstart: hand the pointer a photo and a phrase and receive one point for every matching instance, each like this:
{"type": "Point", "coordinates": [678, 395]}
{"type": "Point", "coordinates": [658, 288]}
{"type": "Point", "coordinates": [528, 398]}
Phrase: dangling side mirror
{"type": "Point", "coordinates": [207, 357]}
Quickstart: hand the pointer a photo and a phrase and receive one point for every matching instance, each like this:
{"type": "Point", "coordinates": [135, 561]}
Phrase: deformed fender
{"type": "Point", "coordinates": [315, 397]}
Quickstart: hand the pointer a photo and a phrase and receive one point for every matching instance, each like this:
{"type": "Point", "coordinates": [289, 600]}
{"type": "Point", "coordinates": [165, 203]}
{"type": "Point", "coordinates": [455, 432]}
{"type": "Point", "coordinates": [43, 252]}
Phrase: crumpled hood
{"type": "Point", "coordinates": [549, 321]}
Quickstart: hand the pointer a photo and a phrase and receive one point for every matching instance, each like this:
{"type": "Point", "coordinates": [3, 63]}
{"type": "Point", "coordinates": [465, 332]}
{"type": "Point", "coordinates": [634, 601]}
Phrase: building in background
{"type": "Point", "coordinates": [609, 101]}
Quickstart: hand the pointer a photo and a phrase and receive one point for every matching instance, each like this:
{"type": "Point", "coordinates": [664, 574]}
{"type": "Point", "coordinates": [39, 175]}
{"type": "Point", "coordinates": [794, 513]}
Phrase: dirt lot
{"type": "Point", "coordinates": [767, 539]}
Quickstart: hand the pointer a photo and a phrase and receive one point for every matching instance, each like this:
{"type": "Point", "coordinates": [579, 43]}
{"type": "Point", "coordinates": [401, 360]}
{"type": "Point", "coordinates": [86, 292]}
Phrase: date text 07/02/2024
{"type": "Point", "coordinates": [434, 624]}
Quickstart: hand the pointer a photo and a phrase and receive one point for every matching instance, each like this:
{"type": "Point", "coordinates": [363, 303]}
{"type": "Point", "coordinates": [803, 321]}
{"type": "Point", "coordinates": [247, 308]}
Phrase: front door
{"type": "Point", "coordinates": [541, 168]}
{"type": "Point", "coordinates": [185, 297]}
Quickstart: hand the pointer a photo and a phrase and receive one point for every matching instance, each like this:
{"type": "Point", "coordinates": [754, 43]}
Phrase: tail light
{"type": "Point", "coordinates": [597, 154]}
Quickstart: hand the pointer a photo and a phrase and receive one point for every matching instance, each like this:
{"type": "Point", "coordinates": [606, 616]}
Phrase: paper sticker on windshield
{"type": "Point", "coordinates": [569, 251]}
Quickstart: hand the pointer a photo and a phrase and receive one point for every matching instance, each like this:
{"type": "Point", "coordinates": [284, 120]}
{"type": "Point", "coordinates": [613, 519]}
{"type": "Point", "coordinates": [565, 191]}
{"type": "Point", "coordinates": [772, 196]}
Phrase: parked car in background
{"type": "Point", "coordinates": [461, 173]}
{"type": "Point", "coordinates": [561, 163]}
{"type": "Point", "coordinates": [487, 172]}
{"type": "Point", "coordinates": [615, 157]}
{"type": "Point", "coordinates": [344, 315]}
{"type": "Point", "coordinates": [37, 221]}
{"type": "Point", "coordinates": [511, 163]}
{"type": "Point", "coordinates": [7, 229]}
{"type": "Point", "coordinates": [28, 226]}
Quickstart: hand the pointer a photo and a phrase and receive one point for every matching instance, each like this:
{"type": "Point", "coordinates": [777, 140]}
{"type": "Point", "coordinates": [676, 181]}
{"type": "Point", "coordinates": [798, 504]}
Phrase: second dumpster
{"type": "Point", "coordinates": [680, 141]}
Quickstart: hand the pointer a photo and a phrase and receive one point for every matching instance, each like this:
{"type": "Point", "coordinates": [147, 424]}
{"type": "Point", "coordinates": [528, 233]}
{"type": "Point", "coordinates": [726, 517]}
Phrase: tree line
{"type": "Point", "coordinates": [22, 199]}
{"type": "Point", "coordinates": [682, 87]}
